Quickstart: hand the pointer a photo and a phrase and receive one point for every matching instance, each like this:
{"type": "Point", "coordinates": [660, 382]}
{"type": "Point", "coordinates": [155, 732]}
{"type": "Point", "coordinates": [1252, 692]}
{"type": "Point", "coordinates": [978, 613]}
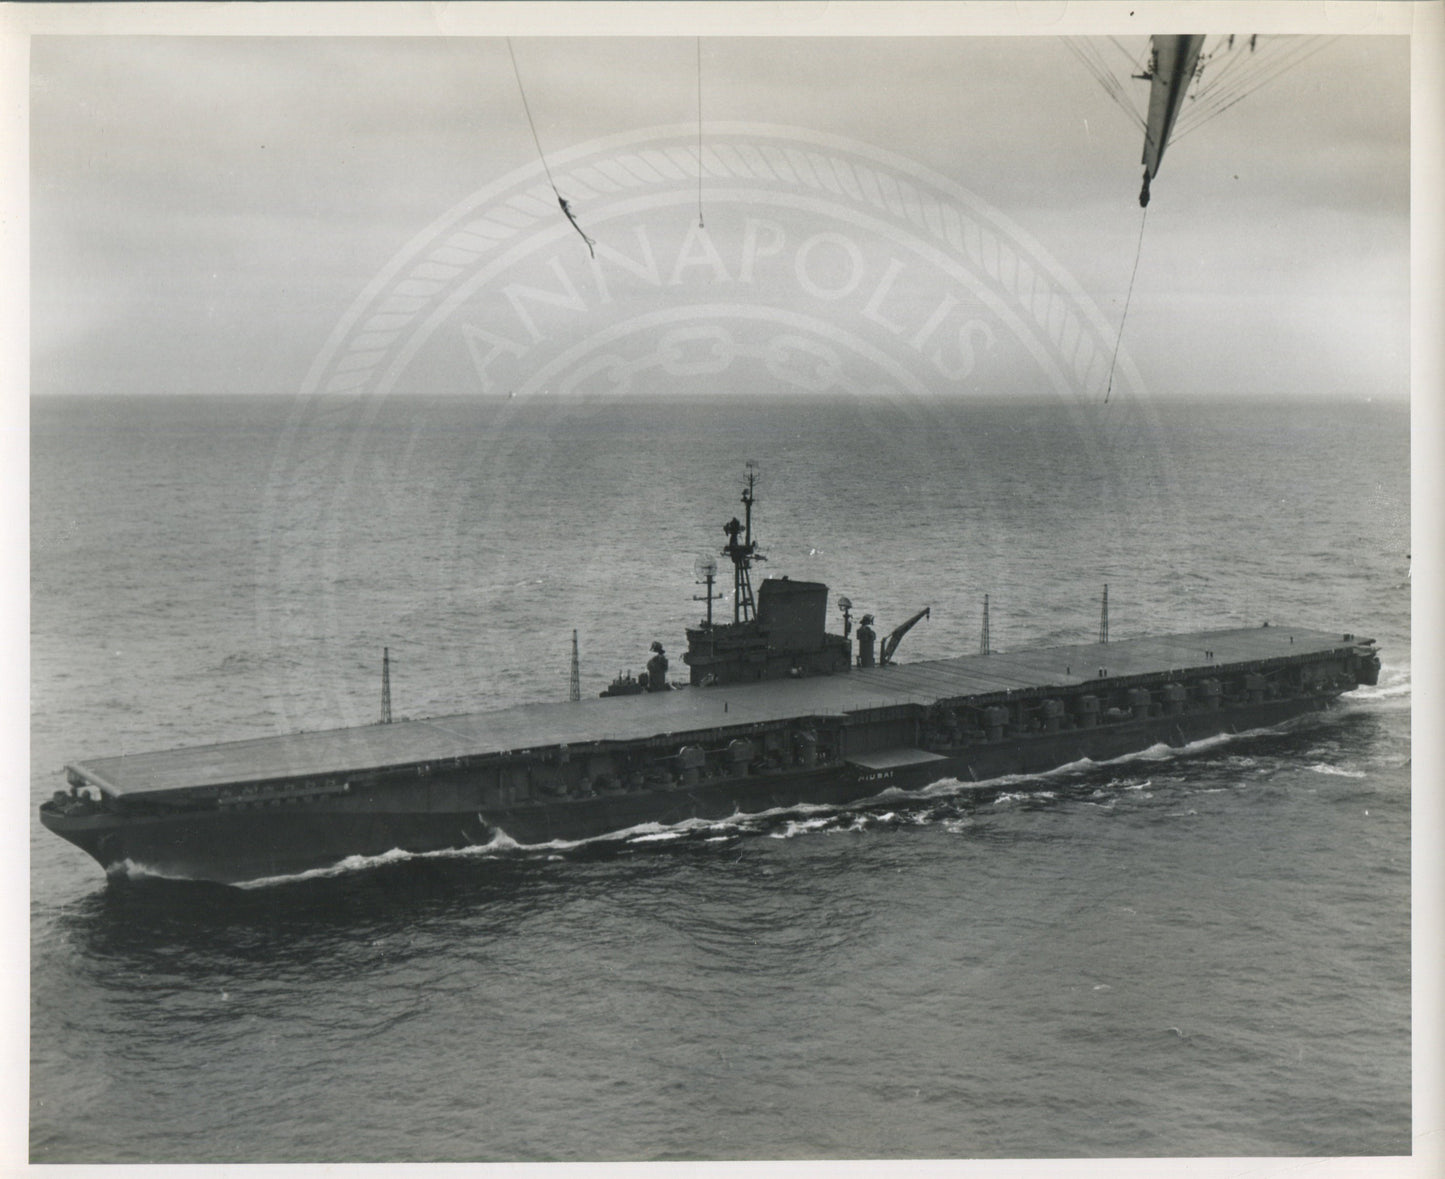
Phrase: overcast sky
{"type": "Point", "coordinates": [205, 209]}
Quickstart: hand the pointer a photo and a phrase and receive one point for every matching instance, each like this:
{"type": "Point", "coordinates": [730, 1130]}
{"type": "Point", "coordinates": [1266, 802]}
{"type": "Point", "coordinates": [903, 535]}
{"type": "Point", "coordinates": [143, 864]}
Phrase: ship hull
{"type": "Point", "coordinates": [234, 846]}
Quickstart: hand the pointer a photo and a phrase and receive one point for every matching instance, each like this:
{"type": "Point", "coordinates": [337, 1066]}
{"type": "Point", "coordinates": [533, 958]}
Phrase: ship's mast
{"type": "Point", "coordinates": [744, 599]}
{"type": "Point", "coordinates": [743, 552]}
{"type": "Point", "coordinates": [706, 570]}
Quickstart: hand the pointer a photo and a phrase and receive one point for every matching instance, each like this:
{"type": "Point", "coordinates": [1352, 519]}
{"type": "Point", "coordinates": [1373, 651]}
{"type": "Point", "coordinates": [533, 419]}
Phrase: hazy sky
{"type": "Point", "coordinates": [205, 209]}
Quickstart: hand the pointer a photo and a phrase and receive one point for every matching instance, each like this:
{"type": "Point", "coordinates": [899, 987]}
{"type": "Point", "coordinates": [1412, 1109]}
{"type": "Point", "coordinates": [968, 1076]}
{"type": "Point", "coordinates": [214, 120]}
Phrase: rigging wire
{"type": "Point", "coordinates": [1272, 61]}
{"type": "Point", "coordinates": [699, 133]}
{"type": "Point", "coordinates": [1113, 86]}
{"type": "Point", "coordinates": [1216, 76]}
{"type": "Point", "coordinates": [1254, 83]}
{"type": "Point", "coordinates": [1138, 251]}
{"type": "Point", "coordinates": [1231, 85]}
{"type": "Point", "coordinates": [516, 73]}
{"type": "Point", "coordinates": [1117, 87]}
{"type": "Point", "coordinates": [1239, 67]}
{"type": "Point", "coordinates": [1103, 74]}
{"type": "Point", "coordinates": [1244, 65]}
{"type": "Point", "coordinates": [561, 200]}
{"type": "Point", "coordinates": [1135, 62]}
{"type": "Point", "coordinates": [1100, 75]}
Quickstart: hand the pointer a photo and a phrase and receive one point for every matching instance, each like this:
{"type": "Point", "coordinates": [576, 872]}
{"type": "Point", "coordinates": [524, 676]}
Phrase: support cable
{"type": "Point", "coordinates": [561, 200]}
{"type": "Point", "coordinates": [699, 133]}
{"type": "Point", "coordinates": [1133, 59]}
{"type": "Point", "coordinates": [1209, 100]}
{"type": "Point", "coordinates": [1104, 76]}
{"type": "Point", "coordinates": [1218, 74]}
{"type": "Point", "coordinates": [1248, 84]}
{"type": "Point", "coordinates": [1138, 250]}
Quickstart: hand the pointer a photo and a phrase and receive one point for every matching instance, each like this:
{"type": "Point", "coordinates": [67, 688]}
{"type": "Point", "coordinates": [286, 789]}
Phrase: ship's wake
{"type": "Point", "coordinates": [1393, 688]}
{"type": "Point", "coordinates": [949, 803]}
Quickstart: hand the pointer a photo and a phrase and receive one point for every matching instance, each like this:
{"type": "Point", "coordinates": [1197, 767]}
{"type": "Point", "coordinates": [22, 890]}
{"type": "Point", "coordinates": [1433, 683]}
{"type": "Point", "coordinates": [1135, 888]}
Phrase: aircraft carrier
{"type": "Point", "coordinates": [778, 713]}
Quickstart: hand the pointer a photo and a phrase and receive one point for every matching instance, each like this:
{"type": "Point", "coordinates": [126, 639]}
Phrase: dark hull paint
{"type": "Point", "coordinates": [230, 846]}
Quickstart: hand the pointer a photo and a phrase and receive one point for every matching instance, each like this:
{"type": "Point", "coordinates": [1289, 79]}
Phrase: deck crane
{"type": "Point", "coordinates": [890, 644]}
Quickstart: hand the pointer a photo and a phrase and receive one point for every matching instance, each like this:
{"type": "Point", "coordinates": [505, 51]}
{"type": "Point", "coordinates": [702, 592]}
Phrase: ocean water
{"type": "Point", "coordinates": [1198, 952]}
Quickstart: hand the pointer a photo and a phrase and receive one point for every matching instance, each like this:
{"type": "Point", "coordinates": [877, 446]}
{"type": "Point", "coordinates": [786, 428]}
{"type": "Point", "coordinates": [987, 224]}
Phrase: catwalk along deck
{"type": "Point", "coordinates": [523, 728]}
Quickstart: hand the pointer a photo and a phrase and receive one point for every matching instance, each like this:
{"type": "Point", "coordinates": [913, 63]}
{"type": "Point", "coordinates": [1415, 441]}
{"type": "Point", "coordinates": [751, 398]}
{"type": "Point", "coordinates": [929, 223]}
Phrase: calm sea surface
{"type": "Point", "coordinates": [1185, 953]}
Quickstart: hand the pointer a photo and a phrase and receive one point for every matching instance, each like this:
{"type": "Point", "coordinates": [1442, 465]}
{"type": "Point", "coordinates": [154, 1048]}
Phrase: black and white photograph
{"type": "Point", "coordinates": [710, 584]}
